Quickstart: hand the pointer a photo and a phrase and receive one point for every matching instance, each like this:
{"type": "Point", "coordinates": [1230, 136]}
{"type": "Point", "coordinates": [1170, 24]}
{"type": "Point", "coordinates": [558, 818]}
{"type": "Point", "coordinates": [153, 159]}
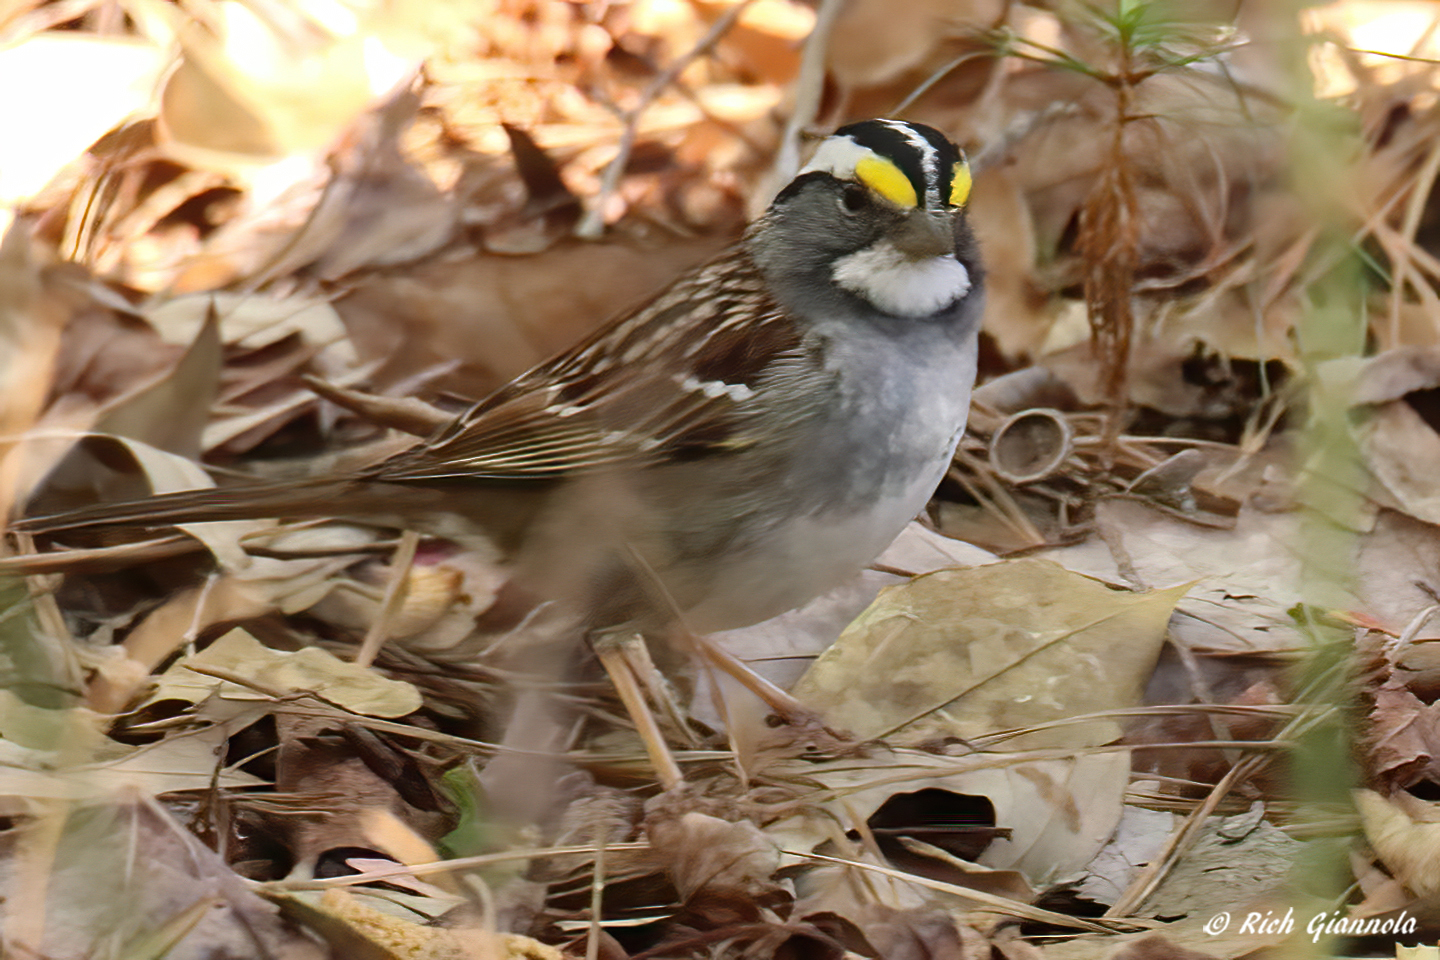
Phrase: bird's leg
{"type": "Point", "coordinates": [803, 727]}
{"type": "Point", "coordinates": [658, 688]}
{"type": "Point", "coordinates": [786, 707]}
{"type": "Point", "coordinates": [622, 674]}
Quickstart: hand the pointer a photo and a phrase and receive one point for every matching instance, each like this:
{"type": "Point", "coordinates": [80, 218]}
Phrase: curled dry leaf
{"type": "Point", "coordinates": [1403, 738]}
{"type": "Point", "coordinates": [376, 795]}
{"type": "Point", "coordinates": [712, 859]}
{"type": "Point", "coordinates": [253, 90]}
{"type": "Point", "coordinates": [1406, 840]}
{"type": "Point", "coordinates": [1397, 435]}
{"type": "Point", "coordinates": [79, 765]}
{"type": "Point", "coordinates": [253, 320]}
{"type": "Point", "coordinates": [238, 654]}
{"type": "Point", "coordinates": [238, 592]}
{"type": "Point", "coordinates": [441, 604]}
{"type": "Point", "coordinates": [78, 478]}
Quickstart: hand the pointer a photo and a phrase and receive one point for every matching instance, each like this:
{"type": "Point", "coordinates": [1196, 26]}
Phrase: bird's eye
{"type": "Point", "coordinates": [854, 198]}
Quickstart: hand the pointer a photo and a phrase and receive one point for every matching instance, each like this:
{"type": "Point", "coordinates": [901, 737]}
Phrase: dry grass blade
{"type": "Point", "coordinates": [445, 866]}
{"type": "Point", "coordinates": [1136, 713]}
{"type": "Point", "coordinates": [1002, 905]}
{"type": "Point", "coordinates": [395, 591]}
{"type": "Point", "coordinates": [1149, 878]}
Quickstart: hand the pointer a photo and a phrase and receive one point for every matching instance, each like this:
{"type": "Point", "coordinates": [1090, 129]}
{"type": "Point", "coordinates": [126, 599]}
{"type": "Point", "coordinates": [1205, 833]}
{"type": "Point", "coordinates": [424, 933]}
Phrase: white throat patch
{"type": "Point", "coordinates": [899, 284]}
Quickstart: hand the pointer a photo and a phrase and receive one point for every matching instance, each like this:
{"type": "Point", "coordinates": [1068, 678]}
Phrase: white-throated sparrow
{"type": "Point", "coordinates": [754, 434]}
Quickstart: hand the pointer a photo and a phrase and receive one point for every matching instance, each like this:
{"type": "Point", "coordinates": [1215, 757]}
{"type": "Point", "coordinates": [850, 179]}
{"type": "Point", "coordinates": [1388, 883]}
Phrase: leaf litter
{"type": "Point", "coordinates": [1095, 727]}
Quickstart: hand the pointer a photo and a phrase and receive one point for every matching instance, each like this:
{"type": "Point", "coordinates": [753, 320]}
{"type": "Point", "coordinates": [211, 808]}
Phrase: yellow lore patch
{"type": "Point", "coordinates": [885, 178]}
{"type": "Point", "coordinates": [960, 184]}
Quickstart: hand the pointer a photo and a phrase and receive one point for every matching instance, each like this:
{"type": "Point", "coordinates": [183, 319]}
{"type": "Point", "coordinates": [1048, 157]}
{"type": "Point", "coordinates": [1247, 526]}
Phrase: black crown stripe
{"type": "Point", "coordinates": [888, 141]}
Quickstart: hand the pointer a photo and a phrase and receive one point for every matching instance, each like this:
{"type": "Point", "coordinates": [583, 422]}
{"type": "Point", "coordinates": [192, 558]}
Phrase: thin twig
{"type": "Point", "coordinates": [935, 78]}
{"type": "Point", "coordinates": [597, 898]}
{"type": "Point", "coordinates": [592, 225]}
{"type": "Point", "coordinates": [395, 592]}
{"type": "Point", "coordinates": [808, 86]}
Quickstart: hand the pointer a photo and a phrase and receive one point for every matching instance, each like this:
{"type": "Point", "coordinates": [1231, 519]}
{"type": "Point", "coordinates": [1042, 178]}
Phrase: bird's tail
{"type": "Point", "coordinates": [291, 500]}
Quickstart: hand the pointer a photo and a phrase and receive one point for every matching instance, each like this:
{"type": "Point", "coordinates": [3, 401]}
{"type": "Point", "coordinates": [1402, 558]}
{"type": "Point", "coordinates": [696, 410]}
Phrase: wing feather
{"type": "Point", "coordinates": [679, 374]}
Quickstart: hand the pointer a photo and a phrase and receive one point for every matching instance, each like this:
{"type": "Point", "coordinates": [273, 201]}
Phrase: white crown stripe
{"type": "Point", "coordinates": [837, 156]}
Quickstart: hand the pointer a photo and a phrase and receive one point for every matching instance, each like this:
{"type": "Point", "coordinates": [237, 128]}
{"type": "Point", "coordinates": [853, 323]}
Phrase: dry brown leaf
{"type": "Point", "coordinates": [30, 339]}
{"type": "Point", "coordinates": [171, 413]}
{"type": "Point", "coordinates": [871, 46]}
{"type": "Point", "coordinates": [967, 652]}
{"type": "Point", "coordinates": [1138, 838]}
{"type": "Point", "coordinates": [1059, 813]}
{"type": "Point", "coordinates": [1020, 311]}
{"type": "Point", "coordinates": [105, 353]}
{"type": "Point", "coordinates": [1392, 570]}
{"type": "Point", "coordinates": [1393, 374]}
{"type": "Point", "coordinates": [920, 935]}
{"type": "Point", "coordinates": [87, 472]}
{"type": "Point", "coordinates": [1245, 578]}
{"type": "Point", "coordinates": [780, 649]}
{"type": "Point", "coordinates": [253, 321]}
{"type": "Point", "coordinates": [1403, 740]}
{"type": "Point", "coordinates": [443, 599]}
{"type": "Point", "coordinates": [767, 39]}
{"type": "Point", "coordinates": [1402, 451]}
{"type": "Point", "coordinates": [1236, 859]}
{"type": "Point", "coordinates": [252, 90]}
{"type": "Point", "coordinates": [373, 792]}
{"type": "Point", "coordinates": [1157, 947]}
{"type": "Point", "coordinates": [502, 315]}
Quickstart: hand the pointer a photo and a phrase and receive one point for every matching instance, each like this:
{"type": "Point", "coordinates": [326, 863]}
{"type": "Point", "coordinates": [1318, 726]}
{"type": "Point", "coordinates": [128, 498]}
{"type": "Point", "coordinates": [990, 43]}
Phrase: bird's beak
{"type": "Point", "coordinates": [924, 235]}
